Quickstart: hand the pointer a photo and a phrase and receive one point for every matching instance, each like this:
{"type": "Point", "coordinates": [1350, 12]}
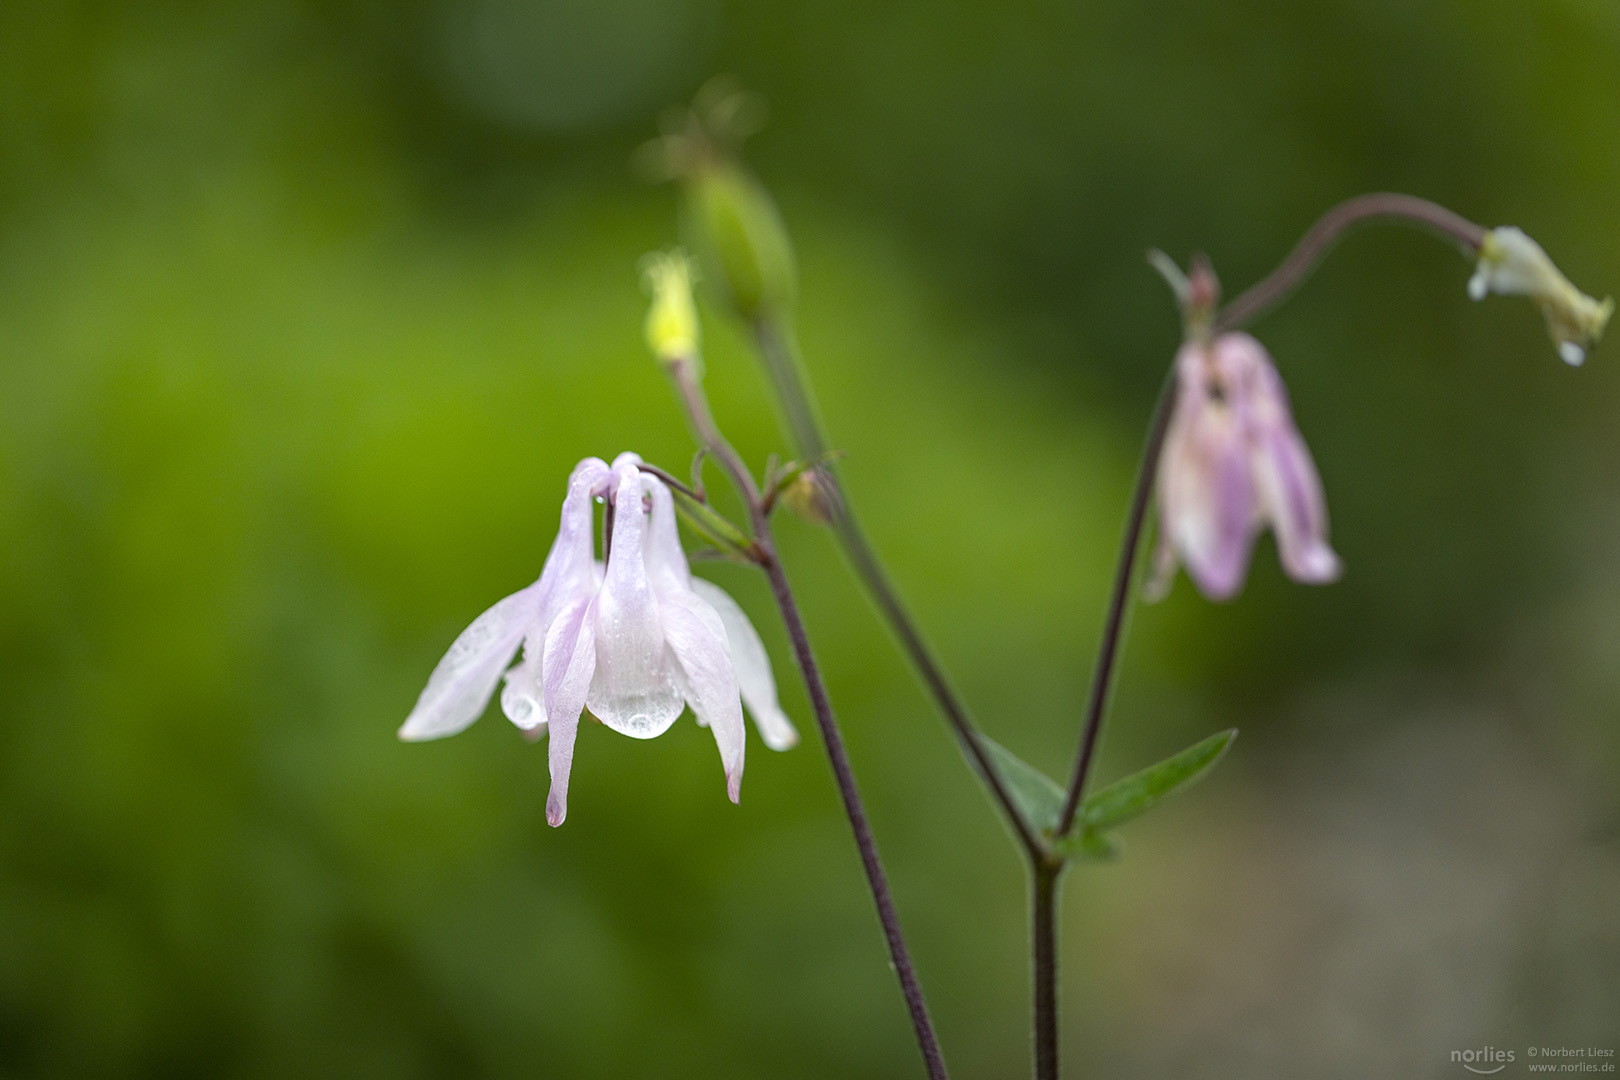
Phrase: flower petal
{"type": "Point", "coordinates": [1207, 504]}
{"type": "Point", "coordinates": [667, 567]}
{"type": "Point", "coordinates": [753, 666]}
{"type": "Point", "coordinates": [697, 640]}
{"type": "Point", "coordinates": [461, 684]}
{"type": "Point", "coordinates": [633, 691]}
{"type": "Point", "coordinates": [570, 571]}
{"type": "Point", "coordinates": [1285, 478]}
{"type": "Point", "coordinates": [1291, 493]}
{"type": "Point", "coordinates": [570, 661]}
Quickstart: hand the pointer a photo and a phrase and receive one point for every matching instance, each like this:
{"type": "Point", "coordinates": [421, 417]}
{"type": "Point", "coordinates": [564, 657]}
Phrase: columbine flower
{"type": "Point", "coordinates": [1512, 263]}
{"type": "Point", "coordinates": [635, 641]}
{"type": "Point", "coordinates": [1233, 462]}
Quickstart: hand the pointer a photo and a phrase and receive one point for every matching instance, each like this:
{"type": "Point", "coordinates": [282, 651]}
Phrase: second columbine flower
{"type": "Point", "coordinates": [1233, 462]}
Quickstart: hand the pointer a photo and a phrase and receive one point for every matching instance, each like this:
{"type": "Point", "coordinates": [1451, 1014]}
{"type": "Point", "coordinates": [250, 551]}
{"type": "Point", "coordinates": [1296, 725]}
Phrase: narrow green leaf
{"type": "Point", "coordinates": [1138, 793]}
{"type": "Point", "coordinates": [1037, 797]}
{"type": "Point", "coordinates": [725, 536]}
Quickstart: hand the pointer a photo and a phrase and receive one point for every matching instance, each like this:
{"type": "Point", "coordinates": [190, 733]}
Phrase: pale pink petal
{"type": "Point", "coordinates": [1285, 477]}
{"type": "Point", "coordinates": [697, 640]}
{"type": "Point", "coordinates": [633, 691]}
{"type": "Point", "coordinates": [1291, 493]}
{"type": "Point", "coordinates": [463, 681]}
{"type": "Point", "coordinates": [1208, 507]}
{"type": "Point", "coordinates": [753, 666]}
{"type": "Point", "coordinates": [570, 661]}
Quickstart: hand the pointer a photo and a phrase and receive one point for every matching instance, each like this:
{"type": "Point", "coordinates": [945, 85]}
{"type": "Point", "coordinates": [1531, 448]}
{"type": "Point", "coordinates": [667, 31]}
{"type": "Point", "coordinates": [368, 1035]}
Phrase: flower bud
{"type": "Point", "coordinates": [728, 219]}
{"type": "Point", "coordinates": [672, 320]}
{"type": "Point", "coordinates": [1513, 264]}
{"type": "Point", "coordinates": [740, 240]}
{"type": "Point", "coordinates": [812, 496]}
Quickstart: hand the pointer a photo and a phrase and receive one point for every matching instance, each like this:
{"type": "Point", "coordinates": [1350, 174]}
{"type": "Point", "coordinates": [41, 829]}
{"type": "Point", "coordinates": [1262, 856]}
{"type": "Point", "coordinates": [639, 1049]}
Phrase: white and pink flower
{"type": "Point", "coordinates": [634, 639]}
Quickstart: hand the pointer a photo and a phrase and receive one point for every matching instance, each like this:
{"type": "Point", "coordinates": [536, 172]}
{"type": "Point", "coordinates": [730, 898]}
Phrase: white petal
{"type": "Point", "coordinates": [569, 574]}
{"type": "Point", "coordinates": [667, 567]}
{"type": "Point", "coordinates": [570, 660]}
{"type": "Point", "coordinates": [633, 691]}
{"type": "Point", "coordinates": [697, 639]}
{"type": "Point", "coordinates": [461, 684]}
{"type": "Point", "coordinates": [753, 667]}
{"type": "Point", "coordinates": [570, 569]}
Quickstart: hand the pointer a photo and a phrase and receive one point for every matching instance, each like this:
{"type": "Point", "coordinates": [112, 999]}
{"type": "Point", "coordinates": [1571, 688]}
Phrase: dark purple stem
{"type": "Point", "coordinates": [833, 739]}
{"type": "Point", "coordinates": [696, 407]}
{"type": "Point", "coordinates": [1328, 228]}
{"type": "Point", "coordinates": [1119, 602]}
{"type": "Point", "coordinates": [783, 369]}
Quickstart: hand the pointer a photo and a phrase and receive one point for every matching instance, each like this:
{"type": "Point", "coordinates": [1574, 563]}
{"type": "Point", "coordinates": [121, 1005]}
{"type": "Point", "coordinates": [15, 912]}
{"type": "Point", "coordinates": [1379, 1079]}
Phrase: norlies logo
{"type": "Point", "coordinates": [1484, 1061]}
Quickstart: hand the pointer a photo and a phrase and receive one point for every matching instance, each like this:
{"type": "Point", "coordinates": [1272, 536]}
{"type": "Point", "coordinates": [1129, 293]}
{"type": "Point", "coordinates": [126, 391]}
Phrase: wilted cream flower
{"type": "Point", "coordinates": [1513, 264]}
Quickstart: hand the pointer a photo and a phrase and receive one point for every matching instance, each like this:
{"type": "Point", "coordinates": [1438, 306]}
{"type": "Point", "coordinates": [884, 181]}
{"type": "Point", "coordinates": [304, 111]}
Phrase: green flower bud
{"type": "Point", "coordinates": [740, 241]}
{"type": "Point", "coordinates": [728, 219]}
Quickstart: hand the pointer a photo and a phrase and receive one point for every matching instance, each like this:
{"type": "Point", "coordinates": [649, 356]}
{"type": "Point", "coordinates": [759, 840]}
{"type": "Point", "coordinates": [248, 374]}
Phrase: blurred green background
{"type": "Point", "coordinates": [306, 309]}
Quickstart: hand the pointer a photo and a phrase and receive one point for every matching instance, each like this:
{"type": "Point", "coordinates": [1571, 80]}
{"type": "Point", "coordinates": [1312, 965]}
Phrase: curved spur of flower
{"type": "Point", "coordinates": [1513, 264]}
{"type": "Point", "coordinates": [1233, 462]}
{"type": "Point", "coordinates": [635, 641]}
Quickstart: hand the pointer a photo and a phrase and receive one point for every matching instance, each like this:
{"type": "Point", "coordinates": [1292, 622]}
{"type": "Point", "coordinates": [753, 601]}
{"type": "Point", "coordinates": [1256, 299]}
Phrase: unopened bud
{"type": "Point", "coordinates": [741, 242]}
{"type": "Point", "coordinates": [1513, 264]}
{"type": "Point", "coordinates": [813, 497]}
{"type": "Point", "coordinates": [672, 320]}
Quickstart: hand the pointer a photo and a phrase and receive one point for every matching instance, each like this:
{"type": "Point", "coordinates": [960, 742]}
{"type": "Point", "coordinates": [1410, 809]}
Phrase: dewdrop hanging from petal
{"type": "Point", "coordinates": [1513, 264]}
{"type": "Point", "coordinates": [1233, 461]}
{"type": "Point", "coordinates": [635, 641]}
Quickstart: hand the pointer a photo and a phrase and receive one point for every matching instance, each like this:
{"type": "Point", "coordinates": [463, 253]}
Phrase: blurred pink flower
{"type": "Point", "coordinates": [1233, 462]}
{"type": "Point", "coordinates": [634, 641]}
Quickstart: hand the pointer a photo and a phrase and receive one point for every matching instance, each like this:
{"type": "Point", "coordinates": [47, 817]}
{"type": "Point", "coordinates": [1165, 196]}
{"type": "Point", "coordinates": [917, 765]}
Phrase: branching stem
{"type": "Point", "coordinates": [697, 411]}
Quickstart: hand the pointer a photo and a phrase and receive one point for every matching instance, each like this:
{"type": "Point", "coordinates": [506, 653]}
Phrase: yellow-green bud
{"type": "Point", "coordinates": [672, 320]}
{"type": "Point", "coordinates": [740, 240]}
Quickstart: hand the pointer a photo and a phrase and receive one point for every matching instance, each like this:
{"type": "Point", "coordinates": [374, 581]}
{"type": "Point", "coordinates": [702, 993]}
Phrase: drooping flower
{"type": "Point", "coordinates": [634, 640]}
{"type": "Point", "coordinates": [1233, 462]}
{"type": "Point", "coordinates": [1513, 264]}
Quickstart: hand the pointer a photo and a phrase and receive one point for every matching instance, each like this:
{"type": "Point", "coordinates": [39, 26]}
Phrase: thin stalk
{"type": "Point", "coordinates": [1408, 209]}
{"type": "Point", "coordinates": [1119, 601]}
{"type": "Point", "coordinates": [1043, 938]}
{"type": "Point", "coordinates": [696, 406]}
{"type": "Point", "coordinates": [782, 367]}
{"type": "Point", "coordinates": [833, 739]}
